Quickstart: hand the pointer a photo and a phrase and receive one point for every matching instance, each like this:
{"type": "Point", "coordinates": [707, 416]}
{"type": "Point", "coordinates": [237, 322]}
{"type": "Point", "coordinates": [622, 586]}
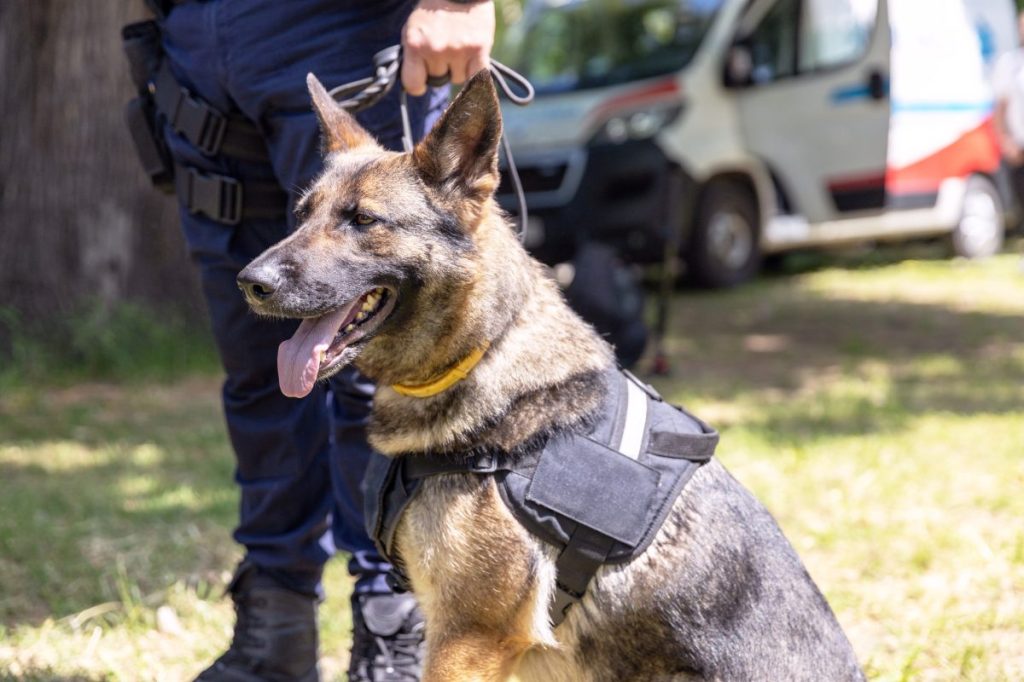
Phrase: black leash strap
{"type": "Point", "coordinates": [365, 92]}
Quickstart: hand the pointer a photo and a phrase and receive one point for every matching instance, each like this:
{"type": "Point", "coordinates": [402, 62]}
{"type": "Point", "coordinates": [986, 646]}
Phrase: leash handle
{"type": "Point", "coordinates": [364, 93]}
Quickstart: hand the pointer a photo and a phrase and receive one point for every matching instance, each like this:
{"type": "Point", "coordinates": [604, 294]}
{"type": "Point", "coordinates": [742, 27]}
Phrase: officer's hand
{"type": "Point", "coordinates": [443, 37]}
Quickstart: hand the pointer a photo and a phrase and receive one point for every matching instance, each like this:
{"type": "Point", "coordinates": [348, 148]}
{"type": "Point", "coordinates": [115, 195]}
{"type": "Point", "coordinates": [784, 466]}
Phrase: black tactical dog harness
{"type": "Point", "coordinates": [600, 497]}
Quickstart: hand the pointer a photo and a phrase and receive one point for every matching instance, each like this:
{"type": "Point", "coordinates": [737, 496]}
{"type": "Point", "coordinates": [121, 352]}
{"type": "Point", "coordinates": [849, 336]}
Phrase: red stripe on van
{"type": "Point", "coordinates": [976, 151]}
{"type": "Point", "coordinates": [634, 99]}
{"type": "Point", "coordinates": [858, 193]}
{"type": "Point", "coordinates": [872, 181]}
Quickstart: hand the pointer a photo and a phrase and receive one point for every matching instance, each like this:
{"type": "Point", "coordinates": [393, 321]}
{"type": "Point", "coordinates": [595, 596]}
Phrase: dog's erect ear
{"type": "Point", "coordinates": [340, 129]}
{"type": "Point", "coordinates": [463, 145]}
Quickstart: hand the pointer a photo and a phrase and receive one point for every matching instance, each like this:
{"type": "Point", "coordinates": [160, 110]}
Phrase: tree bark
{"type": "Point", "coordinates": [80, 225]}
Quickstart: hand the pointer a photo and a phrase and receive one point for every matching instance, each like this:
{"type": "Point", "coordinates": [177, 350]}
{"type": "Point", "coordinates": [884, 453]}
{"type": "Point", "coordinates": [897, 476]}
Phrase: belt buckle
{"type": "Point", "coordinates": [217, 196]}
{"type": "Point", "coordinates": [203, 125]}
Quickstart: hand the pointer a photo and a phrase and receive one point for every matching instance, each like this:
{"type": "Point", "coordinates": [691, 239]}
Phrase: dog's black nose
{"type": "Point", "coordinates": [258, 283]}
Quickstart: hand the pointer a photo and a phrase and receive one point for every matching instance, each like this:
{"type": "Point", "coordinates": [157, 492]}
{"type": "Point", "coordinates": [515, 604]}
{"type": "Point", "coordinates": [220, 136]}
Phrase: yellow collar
{"type": "Point", "coordinates": [446, 380]}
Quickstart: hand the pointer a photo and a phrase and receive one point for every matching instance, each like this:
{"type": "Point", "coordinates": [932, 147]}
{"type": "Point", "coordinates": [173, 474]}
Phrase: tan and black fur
{"type": "Point", "coordinates": [720, 594]}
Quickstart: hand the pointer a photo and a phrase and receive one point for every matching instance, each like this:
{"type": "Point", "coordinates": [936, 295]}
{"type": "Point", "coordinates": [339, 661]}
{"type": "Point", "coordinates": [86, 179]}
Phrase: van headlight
{"type": "Point", "coordinates": [637, 125]}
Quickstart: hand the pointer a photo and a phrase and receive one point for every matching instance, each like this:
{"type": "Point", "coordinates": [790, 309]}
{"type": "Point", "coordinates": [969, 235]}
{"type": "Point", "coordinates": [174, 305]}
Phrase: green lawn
{"type": "Point", "coordinates": [875, 404]}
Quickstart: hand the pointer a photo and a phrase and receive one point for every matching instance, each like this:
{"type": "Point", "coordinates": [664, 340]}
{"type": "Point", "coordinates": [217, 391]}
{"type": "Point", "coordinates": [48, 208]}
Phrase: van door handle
{"type": "Point", "coordinates": [878, 85]}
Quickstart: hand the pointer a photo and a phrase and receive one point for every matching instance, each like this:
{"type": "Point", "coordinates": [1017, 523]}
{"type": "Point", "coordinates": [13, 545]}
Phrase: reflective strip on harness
{"type": "Point", "coordinates": [636, 421]}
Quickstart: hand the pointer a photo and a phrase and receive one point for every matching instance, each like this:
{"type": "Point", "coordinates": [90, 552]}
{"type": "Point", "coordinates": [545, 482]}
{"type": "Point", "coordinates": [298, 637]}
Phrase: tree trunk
{"type": "Point", "coordinates": [79, 223]}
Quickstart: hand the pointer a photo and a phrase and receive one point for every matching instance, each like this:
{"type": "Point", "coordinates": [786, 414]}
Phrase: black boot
{"type": "Point", "coordinates": [387, 638]}
{"type": "Point", "coordinates": [275, 636]}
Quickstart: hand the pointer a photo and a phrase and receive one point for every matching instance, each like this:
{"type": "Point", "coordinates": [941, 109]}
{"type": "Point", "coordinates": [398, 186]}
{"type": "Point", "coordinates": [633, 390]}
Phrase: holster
{"type": "Point", "coordinates": [141, 42]}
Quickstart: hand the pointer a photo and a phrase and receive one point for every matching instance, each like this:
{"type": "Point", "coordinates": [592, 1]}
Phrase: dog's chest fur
{"type": "Point", "coordinates": [471, 561]}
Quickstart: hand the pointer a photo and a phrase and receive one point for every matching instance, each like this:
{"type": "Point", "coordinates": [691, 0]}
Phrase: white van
{"type": "Point", "coordinates": [730, 129]}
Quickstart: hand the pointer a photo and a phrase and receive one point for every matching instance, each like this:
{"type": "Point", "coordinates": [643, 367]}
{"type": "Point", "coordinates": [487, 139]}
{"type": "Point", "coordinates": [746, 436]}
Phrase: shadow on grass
{"type": "Point", "coordinates": [815, 364]}
{"type": "Point", "coordinates": [871, 256]}
{"type": "Point", "coordinates": [862, 257]}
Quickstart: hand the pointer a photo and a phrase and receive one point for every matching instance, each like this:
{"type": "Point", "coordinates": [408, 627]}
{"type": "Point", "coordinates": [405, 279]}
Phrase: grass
{"type": "Point", "coordinates": [875, 404]}
{"type": "Point", "coordinates": [128, 344]}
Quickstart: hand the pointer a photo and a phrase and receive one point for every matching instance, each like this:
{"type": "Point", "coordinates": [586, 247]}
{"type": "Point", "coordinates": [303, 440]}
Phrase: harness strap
{"type": "Point", "coordinates": [575, 567]}
{"type": "Point", "coordinates": [424, 466]}
{"type": "Point", "coordinates": [226, 199]}
{"type": "Point", "coordinates": [691, 446]}
{"type": "Point", "coordinates": [588, 549]}
{"type": "Point", "coordinates": [209, 130]}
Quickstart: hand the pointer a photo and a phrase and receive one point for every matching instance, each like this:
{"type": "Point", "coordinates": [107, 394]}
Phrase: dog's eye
{"type": "Point", "coordinates": [363, 220]}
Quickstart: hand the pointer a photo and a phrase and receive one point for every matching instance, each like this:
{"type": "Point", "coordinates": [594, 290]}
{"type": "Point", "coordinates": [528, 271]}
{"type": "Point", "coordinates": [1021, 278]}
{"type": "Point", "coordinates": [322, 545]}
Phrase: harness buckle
{"type": "Point", "coordinates": [563, 599]}
{"type": "Point", "coordinates": [216, 196]}
{"type": "Point", "coordinates": [485, 463]}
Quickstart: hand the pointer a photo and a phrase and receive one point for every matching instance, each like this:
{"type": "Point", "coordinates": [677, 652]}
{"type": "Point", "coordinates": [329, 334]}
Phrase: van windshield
{"type": "Point", "coordinates": [563, 45]}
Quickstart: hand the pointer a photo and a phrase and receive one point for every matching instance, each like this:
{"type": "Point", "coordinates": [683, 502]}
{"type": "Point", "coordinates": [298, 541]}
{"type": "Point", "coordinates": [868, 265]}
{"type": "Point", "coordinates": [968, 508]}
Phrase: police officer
{"type": "Point", "coordinates": [299, 462]}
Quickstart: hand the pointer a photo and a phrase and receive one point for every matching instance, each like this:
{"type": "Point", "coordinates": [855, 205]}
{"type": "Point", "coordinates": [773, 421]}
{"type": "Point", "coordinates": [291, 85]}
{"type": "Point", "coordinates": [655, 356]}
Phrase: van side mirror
{"type": "Point", "coordinates": [739, 66]}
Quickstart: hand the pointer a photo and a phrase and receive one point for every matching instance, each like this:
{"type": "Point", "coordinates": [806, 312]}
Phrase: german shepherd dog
{"type": "Point", "coordinates": [404, 265]}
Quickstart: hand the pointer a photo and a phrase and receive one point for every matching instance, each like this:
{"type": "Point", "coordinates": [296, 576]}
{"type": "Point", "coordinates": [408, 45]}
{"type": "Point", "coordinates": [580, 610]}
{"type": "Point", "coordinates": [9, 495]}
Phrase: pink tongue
{"type": "Point", "coordinates": [298, 358]}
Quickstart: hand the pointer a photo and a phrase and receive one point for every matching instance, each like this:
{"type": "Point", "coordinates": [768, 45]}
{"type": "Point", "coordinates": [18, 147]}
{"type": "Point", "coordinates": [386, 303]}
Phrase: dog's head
{"type": "Point", "coordinates": [380, 234]}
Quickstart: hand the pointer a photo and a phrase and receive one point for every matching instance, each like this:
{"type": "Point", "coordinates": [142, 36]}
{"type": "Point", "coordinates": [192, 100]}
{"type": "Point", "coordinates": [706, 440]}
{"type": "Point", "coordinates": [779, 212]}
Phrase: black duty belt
{"type": "Point", "coordinates": [162, 99]}
{"type": "Point", "coordinates": [599, 497]}
{"type": "Point", "coordinates": [209, 130]}
{"type": "Point", "coordinates": [226, 199]}
{"type": "Point", "coordinates": [219, 197]}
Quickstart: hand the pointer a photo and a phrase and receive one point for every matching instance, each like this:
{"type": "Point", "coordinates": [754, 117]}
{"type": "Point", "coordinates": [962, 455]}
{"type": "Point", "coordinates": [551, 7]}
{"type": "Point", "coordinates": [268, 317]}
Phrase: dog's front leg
{"type": "Point", "coordinates": [470, 657]}
{"type": "Point", "coordinates": [474, 570]}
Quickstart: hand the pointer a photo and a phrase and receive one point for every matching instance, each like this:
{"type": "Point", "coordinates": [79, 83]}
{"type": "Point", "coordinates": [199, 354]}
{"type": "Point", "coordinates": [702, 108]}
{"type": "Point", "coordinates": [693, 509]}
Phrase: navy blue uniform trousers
{"type": "Point", "coordinates": [300, 463]}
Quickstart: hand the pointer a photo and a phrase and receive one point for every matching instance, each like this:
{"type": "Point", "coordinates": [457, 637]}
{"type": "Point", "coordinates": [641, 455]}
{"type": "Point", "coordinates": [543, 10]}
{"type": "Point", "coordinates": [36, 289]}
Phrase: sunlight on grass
{"type": "Point", "coordinates": [960, 284]}
{"type": "Point", "coordinates": [876, 410]}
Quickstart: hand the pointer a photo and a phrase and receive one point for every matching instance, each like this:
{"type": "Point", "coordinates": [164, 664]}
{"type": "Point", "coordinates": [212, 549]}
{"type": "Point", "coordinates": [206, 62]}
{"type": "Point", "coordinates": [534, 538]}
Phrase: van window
{"type": "Point", "coordinates": [563, 45]}
{"type": "Point", "coordinates": [835, 32]}
{"type": "Point", "coordinates": [772, 43]}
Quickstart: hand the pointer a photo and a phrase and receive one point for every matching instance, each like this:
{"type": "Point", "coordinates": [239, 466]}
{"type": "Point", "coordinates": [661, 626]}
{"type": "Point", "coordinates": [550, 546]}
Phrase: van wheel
{"type": "Point", "coordinates": [979, 234]}
{"type": "Point", "coordinates": [723, 248]}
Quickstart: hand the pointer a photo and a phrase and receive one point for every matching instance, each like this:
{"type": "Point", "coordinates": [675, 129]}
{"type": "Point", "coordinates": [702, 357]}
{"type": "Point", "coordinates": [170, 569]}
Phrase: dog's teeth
{"type": "Point", "coordinates": [349, 327]}
{"type": "Point", "coordinates": [361, 316]}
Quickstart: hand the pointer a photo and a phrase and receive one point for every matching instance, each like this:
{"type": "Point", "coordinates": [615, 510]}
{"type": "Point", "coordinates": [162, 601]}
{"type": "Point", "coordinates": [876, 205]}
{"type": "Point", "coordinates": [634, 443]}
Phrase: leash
{"type": "Point", "coordinates": [365, 92]}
